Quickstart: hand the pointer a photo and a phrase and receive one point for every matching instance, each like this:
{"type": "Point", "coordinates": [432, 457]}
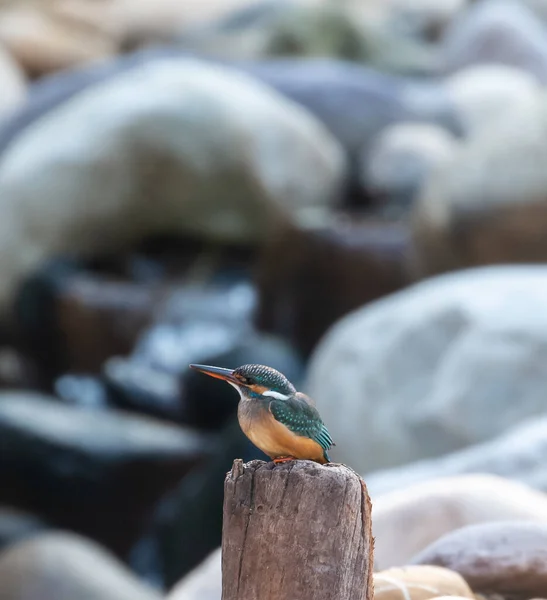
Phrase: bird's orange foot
{"type": "Point", "coordinates": [283, 459]}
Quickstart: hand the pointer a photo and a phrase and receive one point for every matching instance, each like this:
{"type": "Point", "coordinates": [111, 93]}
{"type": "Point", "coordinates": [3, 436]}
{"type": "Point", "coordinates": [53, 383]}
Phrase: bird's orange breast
{"type": "Point", "coordinates": [272, 437]}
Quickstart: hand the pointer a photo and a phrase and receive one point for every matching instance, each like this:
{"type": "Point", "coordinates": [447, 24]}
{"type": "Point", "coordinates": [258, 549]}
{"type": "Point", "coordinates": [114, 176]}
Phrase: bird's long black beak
{"type": "Point", "coordinates": [218, 372]}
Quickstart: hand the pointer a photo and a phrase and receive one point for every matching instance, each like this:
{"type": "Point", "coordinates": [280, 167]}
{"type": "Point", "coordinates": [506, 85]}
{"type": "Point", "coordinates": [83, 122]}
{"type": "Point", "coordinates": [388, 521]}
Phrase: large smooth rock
{"type": "Point", "coordinates": [507, 558]}
{"type": "Point", "coordinates": [354, 102]}
{"type": "Point", "coordinates": [496, 31]}
{"type": "Point", "coordinates": [435, 367]}
{"type": "Point", "coordinates": [485, 95]}
{"type": "Point", "coordinates": [428, 510]}
{"type": "Point", "coordinates": [488, 205]}
{"type": "Point", "coordinates": [60, 566]}
{"type": "Point", "coordinates": [517, 454]}
{"type": "Point", "coordinates": [98, 473]}
{"type": "Point", "coordinates": [223, 157]}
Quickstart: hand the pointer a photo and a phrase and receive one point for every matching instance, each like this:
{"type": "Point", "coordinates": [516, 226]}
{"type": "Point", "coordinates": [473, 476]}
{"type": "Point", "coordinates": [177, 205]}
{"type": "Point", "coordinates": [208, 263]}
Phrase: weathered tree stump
{"type": "Point", "coordinates": [296, 531]}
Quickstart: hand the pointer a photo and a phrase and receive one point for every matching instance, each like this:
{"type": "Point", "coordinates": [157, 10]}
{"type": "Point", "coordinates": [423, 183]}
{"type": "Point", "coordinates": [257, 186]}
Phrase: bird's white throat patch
{"type": "Point", "coordinates": [276, 395]}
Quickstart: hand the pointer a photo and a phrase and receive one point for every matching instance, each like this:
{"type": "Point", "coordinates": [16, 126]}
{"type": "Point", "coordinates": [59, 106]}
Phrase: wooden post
{"type": "Point", "coordinates": [296, 531]}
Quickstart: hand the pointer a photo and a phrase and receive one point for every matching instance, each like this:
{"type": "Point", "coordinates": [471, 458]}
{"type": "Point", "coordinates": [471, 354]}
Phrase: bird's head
{"type": "Point", "coordinates": [253, 382]}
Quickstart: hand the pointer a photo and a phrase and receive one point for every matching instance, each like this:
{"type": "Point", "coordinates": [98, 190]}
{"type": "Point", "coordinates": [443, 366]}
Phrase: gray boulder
{"type": "Point", "coordinates": [488, 205]}
{"type": "Point", "coordinates": [61, 566]}
{"type": "Point", "coordinates": [496, 31]}
{"type": "Point", "coordinates": [175, 146]}
{"type": "Point", "coordinates": [434, 368]}
{"type": "Point", "coordinates": [400, 160]}
{"type": "Point", "coordinates": [518, 454]}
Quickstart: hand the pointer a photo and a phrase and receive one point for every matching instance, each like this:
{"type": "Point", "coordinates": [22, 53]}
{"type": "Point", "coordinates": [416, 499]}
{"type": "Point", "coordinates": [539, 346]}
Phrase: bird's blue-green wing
{"type": "Point", "coordinates": [302, 419]}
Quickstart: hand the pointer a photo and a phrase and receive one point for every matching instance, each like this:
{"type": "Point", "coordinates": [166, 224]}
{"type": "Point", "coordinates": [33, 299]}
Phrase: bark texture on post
{"type": "Point", "coordinates": [296, 531]}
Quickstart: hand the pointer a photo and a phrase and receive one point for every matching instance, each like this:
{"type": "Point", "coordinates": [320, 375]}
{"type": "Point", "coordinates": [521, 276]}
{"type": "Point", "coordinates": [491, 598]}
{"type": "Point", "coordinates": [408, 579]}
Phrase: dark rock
{"type": "Point", "coordinates": [17, 369]}
{"type": "Point", "coordinates": [137, 386]}
{"type": "Point", "coordinates": [98, 473]}
{"type": "Point", "coordinates": [188, 524]}
{"type": "Point", "coordinates": [71, 319]}
{"type": "Point", "coordinates": [309, 279]}
{"type": "Point", "coordinates": [17, 525]}
{"type": "Point", "coordinates": [208, 323]}
{"type": "Point", "coordinates": [507, 558]}
{"type": "Point", "coordinates": [61, 566]}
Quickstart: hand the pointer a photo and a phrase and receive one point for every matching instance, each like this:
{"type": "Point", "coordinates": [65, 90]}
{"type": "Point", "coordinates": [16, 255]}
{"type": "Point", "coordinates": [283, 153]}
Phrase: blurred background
{"type": "Point", "coordinates": [353, 192]}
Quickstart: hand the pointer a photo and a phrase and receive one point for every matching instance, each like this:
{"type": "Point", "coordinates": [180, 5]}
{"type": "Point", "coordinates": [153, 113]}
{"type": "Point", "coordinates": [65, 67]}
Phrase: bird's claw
{"type": "Point", "coordinates": [283, 459]}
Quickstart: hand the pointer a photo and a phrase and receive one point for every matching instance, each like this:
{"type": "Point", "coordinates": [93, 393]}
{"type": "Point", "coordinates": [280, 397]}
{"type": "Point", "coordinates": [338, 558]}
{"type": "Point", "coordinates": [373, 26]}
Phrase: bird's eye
{"type": "Point", "coordinates": [245, 380]}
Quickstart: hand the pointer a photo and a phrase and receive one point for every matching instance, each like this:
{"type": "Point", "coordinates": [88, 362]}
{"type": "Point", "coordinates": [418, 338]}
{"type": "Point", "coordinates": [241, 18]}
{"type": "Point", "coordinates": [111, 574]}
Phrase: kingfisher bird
{"type": "Point", "coordinates": [280, 421]}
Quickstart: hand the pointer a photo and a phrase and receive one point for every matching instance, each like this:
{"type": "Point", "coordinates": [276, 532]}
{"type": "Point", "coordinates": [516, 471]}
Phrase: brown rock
{"type": "Point", "coordinates": [66, 567]}
{"type": "Point", "coordinates": [507, 557]}
{"type": "Point", "coordinates": [356, 263]}
{"type": "Point", "coordinates": [57, 34]}
{"type": "Point", "coordinates": [98, 319]}
{"type": "Point", "coordinates": [419, 583]}
{"type": "Point", "coordinates": [429, 510]}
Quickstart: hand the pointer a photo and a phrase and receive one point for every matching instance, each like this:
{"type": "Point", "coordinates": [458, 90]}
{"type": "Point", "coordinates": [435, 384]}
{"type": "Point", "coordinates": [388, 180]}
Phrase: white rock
{"type": "Point", "coordinates": [175, 145]}
{"type": "Point", "coordinates": [402, 156]}
{"type": "Point", "coordinates": [518, 454]}
{"type": "Point", "coordinates": [435, 367]}
{"type": "Point", "coordinates": [12, 83]}
{"type": "Point", "coordinates": [426, 511]}
{"type": "Point", "coordinates": [484, 95]}
{"type": "Point", "coordinates": [488, 205]}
